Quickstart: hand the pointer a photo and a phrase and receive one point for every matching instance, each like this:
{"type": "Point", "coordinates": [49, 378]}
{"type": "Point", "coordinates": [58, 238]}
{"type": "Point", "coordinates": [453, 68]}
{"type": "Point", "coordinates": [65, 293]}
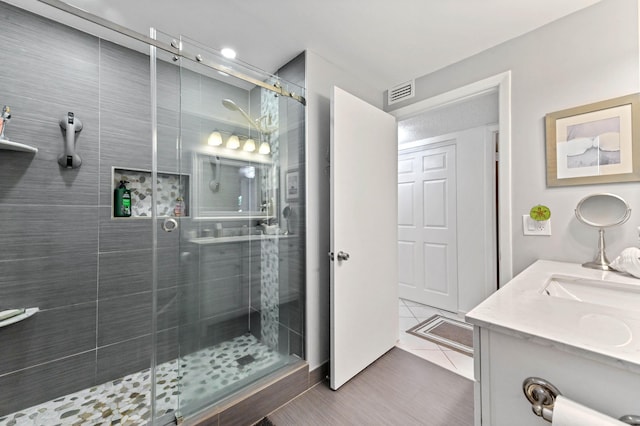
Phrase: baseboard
{"type": "Point", "coordinates": [252, 404]}
{"type": "Point", "coordinates": [319, 374]}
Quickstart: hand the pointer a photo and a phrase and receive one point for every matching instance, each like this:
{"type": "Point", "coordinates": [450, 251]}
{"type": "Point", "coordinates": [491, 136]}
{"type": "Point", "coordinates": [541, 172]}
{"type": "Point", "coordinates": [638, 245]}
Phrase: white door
{"type": "Point", "coordinates": [364, 290]}
{"type": "Point", "coordinates": [447, 240]}
{"type": "Point", "coordinates": [427, 226]}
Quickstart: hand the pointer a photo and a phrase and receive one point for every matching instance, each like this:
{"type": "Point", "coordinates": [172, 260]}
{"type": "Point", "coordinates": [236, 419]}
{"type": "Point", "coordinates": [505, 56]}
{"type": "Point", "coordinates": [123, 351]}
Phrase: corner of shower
{"type": "Point", "coordinates": [195, 297]}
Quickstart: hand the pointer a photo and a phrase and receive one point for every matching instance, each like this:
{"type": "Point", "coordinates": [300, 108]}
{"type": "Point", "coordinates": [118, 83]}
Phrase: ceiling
{"type": "Point", "coordinates": [383, 42]}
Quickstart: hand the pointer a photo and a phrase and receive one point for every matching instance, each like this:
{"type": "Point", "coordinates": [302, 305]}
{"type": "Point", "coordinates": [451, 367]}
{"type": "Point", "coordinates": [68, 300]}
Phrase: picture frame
{"type": "Point", "coordinates": [595, 143]}
{"type": "Point", "coordinates": [292, 185]}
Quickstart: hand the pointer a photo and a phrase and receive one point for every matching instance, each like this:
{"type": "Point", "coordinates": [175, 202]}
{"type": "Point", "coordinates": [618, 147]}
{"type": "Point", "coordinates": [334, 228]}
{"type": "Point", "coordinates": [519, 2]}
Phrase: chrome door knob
{"type": "Point", "coordinates": [343, 256]}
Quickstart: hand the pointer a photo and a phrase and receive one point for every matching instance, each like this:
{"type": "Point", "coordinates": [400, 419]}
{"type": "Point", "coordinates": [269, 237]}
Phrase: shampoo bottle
{"type": "Point", "coordinates": [178, 209]}
{"type": "Point", "coordinates": [122, 200]}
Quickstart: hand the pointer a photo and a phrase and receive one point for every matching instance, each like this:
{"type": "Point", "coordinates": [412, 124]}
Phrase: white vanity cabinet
{"type": "Point", "coordinates": [590, 352]}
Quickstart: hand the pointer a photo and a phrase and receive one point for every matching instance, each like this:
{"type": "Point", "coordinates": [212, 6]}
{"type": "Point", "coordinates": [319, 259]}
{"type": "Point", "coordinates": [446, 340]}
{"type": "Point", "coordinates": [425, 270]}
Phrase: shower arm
{"type": "Point", "coordinates": [256, 125]}
{"type": "Point", "coordinates": [76, 11]}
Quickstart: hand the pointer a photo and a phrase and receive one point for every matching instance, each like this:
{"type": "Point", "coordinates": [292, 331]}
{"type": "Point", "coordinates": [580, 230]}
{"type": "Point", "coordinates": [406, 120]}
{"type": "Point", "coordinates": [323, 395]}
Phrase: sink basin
{"type": "Point", "coordinates": [597, 292]}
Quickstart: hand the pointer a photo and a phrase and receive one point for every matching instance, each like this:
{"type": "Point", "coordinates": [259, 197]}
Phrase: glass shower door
{"type": "Point", "coordinates": [170, 187]}
{"type": "Point", "coordinates": [229, 237]}
{"type": "Point", "coordinates": [230, 334]}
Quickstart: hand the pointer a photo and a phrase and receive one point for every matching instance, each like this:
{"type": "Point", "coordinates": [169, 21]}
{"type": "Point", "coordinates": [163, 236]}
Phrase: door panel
{"type": "Point", "coordinates": [405, 199]}
{"type": "Point", "coordinates": [454, 191]}
{"type": "Point", "coordinates": [433, 235]}
{"type": "Point", "coordinates": [406, 265]}
{"type": "Point", "coordinates": [364, 217]}
{"type": "Point", "coordinates": [435, 277]}
{"type": "Point", "coordinates": [434, 203]}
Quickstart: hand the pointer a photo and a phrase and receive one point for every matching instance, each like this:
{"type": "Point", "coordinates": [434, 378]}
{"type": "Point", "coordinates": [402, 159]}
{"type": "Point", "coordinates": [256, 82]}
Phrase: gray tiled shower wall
{"type": "Point", "coordinates": [62, 251]}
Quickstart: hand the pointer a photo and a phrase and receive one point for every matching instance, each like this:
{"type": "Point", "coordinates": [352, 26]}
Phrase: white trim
{"type": "Point", "coordinates": [501, 82]}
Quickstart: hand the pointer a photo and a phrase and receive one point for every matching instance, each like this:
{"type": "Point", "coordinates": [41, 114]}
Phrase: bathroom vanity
{"type": "Point", "coordinates": [575, 327]}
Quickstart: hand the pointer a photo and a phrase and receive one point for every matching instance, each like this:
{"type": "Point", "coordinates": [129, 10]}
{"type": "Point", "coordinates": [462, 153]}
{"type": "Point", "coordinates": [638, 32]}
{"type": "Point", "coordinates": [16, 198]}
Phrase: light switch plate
{"type": "Point", "coordinates": [535, 227]}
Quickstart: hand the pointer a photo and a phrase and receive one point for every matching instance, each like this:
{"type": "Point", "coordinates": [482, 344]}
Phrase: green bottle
{"type": "Point", "coordinates": [122, 200]}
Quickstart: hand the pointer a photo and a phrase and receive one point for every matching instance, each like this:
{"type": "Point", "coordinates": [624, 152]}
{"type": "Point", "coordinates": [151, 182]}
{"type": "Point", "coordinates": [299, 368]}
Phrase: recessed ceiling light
{"type": "Point", "coordinates": [228, 52]}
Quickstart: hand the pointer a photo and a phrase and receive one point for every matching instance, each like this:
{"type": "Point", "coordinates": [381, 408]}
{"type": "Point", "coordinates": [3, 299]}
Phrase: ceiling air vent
{"type": "Point", "coordinates": [401, 92]}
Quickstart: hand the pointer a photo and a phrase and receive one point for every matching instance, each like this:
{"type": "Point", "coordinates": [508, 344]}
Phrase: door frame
{"type": "Point", "coordinates": [502, 83]}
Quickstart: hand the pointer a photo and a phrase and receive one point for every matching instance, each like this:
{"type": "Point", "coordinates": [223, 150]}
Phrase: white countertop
{"type": "Point", "coordinates": [521, 308]}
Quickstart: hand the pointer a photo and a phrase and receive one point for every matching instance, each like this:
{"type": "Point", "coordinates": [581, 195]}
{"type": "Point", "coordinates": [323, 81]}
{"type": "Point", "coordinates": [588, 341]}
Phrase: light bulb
{"type": "Point", "coordinates": [233, 142]}
{"type": "Point", "coordinates": [249, 145]}
{"type": "Point", "coordinates": [264, 148]}
{"type": "Point", "coordinates": [215, 139]}
{"type": "Point", "coordinates": [228, 53]}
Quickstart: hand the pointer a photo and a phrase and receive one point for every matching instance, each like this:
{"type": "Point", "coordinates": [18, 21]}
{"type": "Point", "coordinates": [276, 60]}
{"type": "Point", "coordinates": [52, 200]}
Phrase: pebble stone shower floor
{"type": "Point", "coordinates": [126, 401]}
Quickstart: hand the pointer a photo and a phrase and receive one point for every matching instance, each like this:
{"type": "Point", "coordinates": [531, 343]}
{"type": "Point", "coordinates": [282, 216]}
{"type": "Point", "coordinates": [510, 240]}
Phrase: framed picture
{"type": "Point", "coordinates": [292, 182]}
{"type": "Point", "coordinates": [595, 143]}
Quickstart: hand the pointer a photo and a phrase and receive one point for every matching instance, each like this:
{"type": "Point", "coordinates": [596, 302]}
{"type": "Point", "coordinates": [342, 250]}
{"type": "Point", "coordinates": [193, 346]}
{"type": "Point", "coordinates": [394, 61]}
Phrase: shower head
{"type": "Point", "coordinates": [231, 106]}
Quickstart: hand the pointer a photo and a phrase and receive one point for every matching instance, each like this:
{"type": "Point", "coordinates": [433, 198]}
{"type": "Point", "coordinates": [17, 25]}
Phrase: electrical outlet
{"type": "Point", "coordinates": [535, 227]}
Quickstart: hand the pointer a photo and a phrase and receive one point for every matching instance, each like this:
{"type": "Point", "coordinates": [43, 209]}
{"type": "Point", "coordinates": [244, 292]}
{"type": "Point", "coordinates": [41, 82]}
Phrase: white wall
{"type": "Point", "coordinates": [586, 57]}
{"type": "Point", "coordinates": [321, 76]}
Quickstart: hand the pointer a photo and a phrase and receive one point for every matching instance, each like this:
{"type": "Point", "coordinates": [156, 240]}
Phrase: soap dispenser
{"type": "Point", "coordinates": [122, 200]}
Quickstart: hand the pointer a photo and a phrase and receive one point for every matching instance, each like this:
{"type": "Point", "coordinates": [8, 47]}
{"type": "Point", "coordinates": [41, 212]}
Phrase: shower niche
{"type": "Point", "coordinates": [172, 188]}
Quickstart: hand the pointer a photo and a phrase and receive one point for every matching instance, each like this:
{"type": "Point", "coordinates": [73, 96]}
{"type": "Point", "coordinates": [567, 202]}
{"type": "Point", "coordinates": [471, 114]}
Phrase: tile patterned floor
{"type": "Point", "coordinates": [198, 378]}
{"type": "Point", "coordinates": [413, 313]}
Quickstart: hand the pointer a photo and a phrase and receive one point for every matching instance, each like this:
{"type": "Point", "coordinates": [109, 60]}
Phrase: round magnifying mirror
{"type": "Point", "coordinates": [602, 211]}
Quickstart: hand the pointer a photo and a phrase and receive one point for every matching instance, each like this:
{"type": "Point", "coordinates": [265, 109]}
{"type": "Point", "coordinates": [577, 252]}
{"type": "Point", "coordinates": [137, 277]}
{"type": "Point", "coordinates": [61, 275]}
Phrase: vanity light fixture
{"type": "Point", "coordinates": [233, 142]}
{"type": "Point", "coordinates": [249, 145]}
{"type": "Point", "coordinates": [215, 139]}
{"type": "Point", "coordinates": [264, 148]}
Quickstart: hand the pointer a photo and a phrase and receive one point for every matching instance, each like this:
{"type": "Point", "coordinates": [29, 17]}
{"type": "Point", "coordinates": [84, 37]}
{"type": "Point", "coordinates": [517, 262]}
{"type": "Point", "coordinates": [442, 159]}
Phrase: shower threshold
{"type": "Point", "coordinates": [196, 380]}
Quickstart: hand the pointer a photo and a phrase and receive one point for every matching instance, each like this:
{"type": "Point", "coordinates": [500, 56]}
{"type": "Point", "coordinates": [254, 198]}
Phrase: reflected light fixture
{"type": "Point", "coordinates": [215, 139]}
{"type": "Point", "coordinates": [264, 148]}
{"type": "Point", "coordinates": [228, 53]}
{"type": "Point", "coordinates": [249, 145]}
{"type": "Point", "coordinates": [233, 142]}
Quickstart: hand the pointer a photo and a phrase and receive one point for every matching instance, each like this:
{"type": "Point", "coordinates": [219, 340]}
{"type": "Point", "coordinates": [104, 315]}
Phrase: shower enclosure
{"type": "Point", "coordinates": [197, 295]}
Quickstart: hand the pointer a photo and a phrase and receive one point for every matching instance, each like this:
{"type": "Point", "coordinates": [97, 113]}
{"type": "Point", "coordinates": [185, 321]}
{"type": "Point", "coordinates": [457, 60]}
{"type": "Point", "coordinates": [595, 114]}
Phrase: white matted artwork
{"type": "Point", "coordinates": [594, 143]}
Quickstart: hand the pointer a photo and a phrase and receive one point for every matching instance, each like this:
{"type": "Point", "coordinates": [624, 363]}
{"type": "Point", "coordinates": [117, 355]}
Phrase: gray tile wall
{"type": "Point", "coordinates": [89, 274]}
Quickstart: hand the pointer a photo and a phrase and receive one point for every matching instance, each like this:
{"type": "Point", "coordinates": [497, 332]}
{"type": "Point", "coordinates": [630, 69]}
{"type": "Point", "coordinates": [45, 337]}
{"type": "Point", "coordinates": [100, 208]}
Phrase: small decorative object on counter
{"type": "Point", "coordinates": [628, 261]}
{"type": "Point", "coordinates": [122, 200]}
{"type": "Point", "coordinates": [178, 209]}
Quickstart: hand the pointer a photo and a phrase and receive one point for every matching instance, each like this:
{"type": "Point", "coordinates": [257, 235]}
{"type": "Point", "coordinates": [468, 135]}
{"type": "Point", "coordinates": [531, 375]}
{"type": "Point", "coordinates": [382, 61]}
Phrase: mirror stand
{"type": "Point", "coordinates": [600, 262]}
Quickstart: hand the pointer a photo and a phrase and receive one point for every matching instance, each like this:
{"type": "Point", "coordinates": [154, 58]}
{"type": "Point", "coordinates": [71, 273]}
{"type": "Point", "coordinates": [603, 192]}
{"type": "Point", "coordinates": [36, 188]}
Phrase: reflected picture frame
{"type": "Point", "coordinates": [595, 143]}
{"type": "Point", "coordinates": [292, 185]}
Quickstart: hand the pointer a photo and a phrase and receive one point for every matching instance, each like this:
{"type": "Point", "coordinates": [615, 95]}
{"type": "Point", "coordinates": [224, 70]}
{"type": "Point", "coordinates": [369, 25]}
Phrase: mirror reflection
{"type": "Point", "coordinates": [227, 187]}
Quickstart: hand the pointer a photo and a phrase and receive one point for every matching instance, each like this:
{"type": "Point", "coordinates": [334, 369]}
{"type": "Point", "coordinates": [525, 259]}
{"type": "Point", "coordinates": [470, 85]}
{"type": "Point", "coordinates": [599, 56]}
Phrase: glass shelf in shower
{"type": "Point", "coordinates": [16, 146]}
